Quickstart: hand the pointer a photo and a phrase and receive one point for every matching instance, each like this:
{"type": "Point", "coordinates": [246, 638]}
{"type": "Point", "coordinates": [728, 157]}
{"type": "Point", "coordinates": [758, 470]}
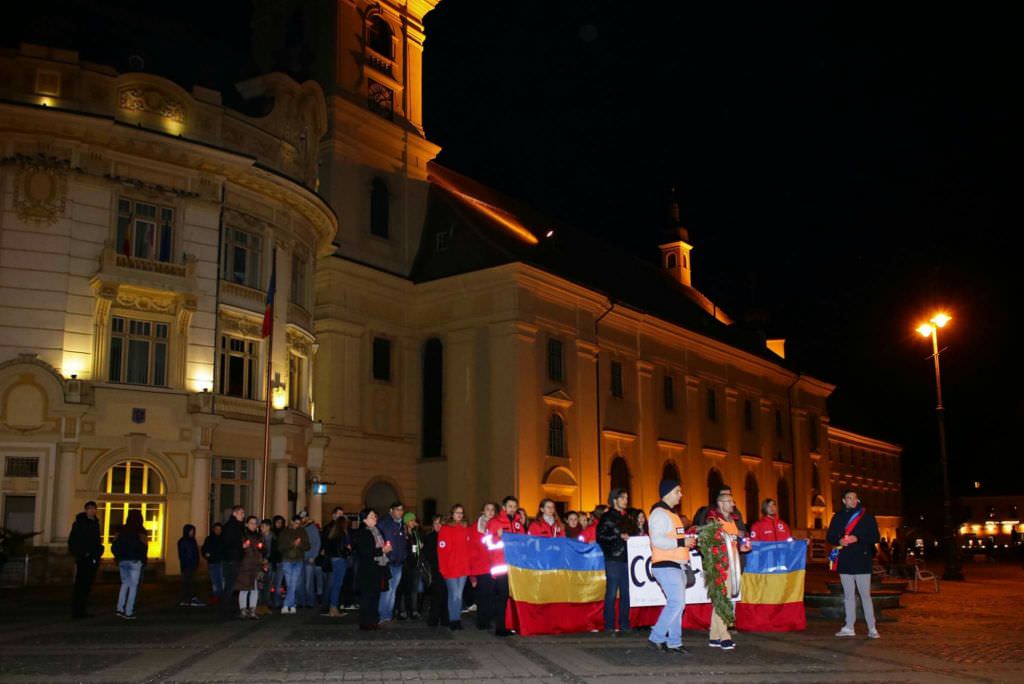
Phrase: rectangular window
{"type": "Point", "coordinates": [230, 486]}
{"type": "Point", "coordinates": [20, 513]}
{"type": "Point", "coordinates": [555, 358]}
{"type": "Point", "coordinates": [712, 406]}
{"type": "Point", "coordinates": [670, 393]}
{"type": "Point", "coordinates": [242, 253]}
{"type": "Point", "coordinates": [812, 431]}
{"type": "Point", "coordinates": [145, 231]}
{"type": "Point", "coordinates": [138, 352]}
{"type": "Point", "coordinates": [21, 466]}
{"type": "Point", "coordinates": [778, 423]}
{"type": "Point", "coordinates": [299, 268]}
{"type": "Point", "coordinates": [296, 385]}
{"type": "Point", "coordinates": [381, 359]}
{"type": "Point", "coordinates": [748, 415]}
{"type": "Point", "coordinates": [616, 379]}
{"type": "Point", "coordinates": [239, 367]}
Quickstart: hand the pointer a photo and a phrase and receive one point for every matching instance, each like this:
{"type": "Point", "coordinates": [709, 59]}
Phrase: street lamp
{"type": "Point", "coordinates": [931, 329]}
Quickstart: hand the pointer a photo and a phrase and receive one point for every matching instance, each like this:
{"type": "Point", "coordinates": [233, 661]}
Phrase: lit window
{"type": "Point", "coordinates": [128, 486]}
{"type": "Point", "coordinates": [242, 254]}
{"type": "Point", "coordinates": [138, 352]}
{"type": "Point", "coordinates": [145, 231]}
{"type": "Point", "coordinates": [296, 382]}
{"type": "Point", "coordinates": [230, 486]}
{"type": "Point", "coordinates": [239, 367]}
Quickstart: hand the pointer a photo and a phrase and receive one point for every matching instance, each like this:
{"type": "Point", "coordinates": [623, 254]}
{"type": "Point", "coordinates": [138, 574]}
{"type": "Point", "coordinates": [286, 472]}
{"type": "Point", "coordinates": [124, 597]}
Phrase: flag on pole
{"type": "Point", "coordinates": [268, 312]}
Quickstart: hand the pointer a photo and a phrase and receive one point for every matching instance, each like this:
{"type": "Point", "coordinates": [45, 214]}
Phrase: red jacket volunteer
{"type": "Point", "coordinates": [499, 524]}
{"type": "Point", "coordinates": [541, 528]}
{"type": "Point", "coordinates": [454, 551]}
{"type": "Point", "coordinates": [770, 528]}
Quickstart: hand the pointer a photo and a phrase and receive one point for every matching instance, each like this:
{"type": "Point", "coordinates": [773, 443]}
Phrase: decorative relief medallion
{"type": "Point", "coordinates": [40, 190]}
{"type": "Point", "coordinates": [136, 99]}
{"type": "Point", "coordinates": [146, 303]}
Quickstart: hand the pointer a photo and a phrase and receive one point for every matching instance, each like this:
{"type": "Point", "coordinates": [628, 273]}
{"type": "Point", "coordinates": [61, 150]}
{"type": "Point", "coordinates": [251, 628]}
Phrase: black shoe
{"type": "Point", "coordinates": [656, 647]}
{"type": "Point", "coordinates": [402, 616]}
{"type": "Point", "coordinates": [503, 632]}
{"type": "Point", "coordinates": [678, 651]}
{"type": "Point", "coordinates": [455, 625]}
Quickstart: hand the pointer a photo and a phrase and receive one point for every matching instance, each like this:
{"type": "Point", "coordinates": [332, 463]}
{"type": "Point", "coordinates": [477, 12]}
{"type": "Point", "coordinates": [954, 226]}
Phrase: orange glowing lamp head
{"type": "Point", "coordinates": [925, 329]}
{"type": "Point", "coordinates": [941, 319]}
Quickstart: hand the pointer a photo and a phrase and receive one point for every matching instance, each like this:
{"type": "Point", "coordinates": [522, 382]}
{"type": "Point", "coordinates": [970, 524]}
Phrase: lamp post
{"type": "Point", "coordinates": [931, 329]}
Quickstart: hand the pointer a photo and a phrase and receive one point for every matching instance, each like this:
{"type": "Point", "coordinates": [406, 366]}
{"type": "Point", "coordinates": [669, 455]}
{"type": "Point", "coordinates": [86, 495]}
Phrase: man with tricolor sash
{"type": "Point", "coordinates": [854, 533]}
{"type": "Point", "coordinates": [670, 551]}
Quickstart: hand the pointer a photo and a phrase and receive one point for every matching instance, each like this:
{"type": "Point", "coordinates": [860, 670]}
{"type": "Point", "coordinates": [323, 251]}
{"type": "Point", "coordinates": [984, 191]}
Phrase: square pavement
{"type": "Point", "coordinates": [970, 631]}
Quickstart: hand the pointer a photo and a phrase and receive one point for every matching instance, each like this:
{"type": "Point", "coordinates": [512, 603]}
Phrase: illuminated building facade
{"type": "Point", "coordinates": [990, 525]}
{"type": "Point", "coordinates": [139, 223]}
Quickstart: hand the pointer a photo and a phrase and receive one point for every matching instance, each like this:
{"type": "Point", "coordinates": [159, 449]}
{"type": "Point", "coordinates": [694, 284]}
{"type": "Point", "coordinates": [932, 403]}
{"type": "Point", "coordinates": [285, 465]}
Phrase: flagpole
{"type": "Point", "coordinates": [266, 431]}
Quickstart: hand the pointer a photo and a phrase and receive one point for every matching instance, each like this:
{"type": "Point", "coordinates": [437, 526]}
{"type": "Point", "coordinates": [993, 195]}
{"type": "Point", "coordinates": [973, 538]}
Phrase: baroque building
{"type": "Point", "coordinates": [434, 341]}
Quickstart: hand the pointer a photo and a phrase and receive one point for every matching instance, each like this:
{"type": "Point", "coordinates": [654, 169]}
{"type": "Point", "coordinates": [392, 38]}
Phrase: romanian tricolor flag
{"type": "Point", "coordinates": [556, 584]}
{"type": "Point", "coordinates": [772, 588]}
{"type": "Point", "coordinates": [268, 310]}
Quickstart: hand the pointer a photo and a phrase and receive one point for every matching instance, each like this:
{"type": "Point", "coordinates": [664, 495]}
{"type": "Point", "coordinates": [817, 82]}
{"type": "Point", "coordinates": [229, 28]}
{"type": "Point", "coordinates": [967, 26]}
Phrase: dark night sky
{"type": "Point", "coordinates": [843, 170]}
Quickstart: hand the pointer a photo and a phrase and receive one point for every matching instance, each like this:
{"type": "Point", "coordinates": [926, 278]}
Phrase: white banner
{"type": "Point", "coordinates": [644, 589]}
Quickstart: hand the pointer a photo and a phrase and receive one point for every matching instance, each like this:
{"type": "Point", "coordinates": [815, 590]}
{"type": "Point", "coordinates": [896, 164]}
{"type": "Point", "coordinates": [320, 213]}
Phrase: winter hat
{"type": "Point", "coordinates": [666, 486]}
{"type": "Point", "coordinates": [408, 516]}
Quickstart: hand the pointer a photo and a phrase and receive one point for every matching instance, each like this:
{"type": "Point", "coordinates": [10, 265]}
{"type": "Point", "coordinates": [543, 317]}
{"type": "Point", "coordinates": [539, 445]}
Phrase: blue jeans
{"type": "Point", "coordinates": [386, 607]}
{"type": "Point", "coordinates": [293, 577]}
{"type": "Point", "coordinates": [216, 578]}
{"type": "Point", "coordinates": [339, 566]}
{"type": "Point", "coordinates": [276, 599]}
{"type": "Point", "coordinates": [617, 576]}
{"type": "Point", "coordinates": [131, 572]}
{"type": "Point", "coordinates": [313, 577]}
{"type": "Point", "coordinates": [669, 627]}
{"type": "Point", "coordinates": [455, 588]}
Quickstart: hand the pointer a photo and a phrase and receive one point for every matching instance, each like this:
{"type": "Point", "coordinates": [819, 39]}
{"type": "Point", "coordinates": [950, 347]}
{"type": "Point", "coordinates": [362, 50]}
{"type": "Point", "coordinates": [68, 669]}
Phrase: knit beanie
{"type": "Point", "coordinates": [666, 486]}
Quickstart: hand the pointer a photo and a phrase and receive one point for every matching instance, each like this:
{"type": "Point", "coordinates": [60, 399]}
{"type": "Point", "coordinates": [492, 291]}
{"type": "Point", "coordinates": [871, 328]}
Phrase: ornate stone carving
{"type": "Point", "coordinates": [40, 190]}
{"type": "Point", "coordinates": [146, 303]}
{"type": "Point", "coordinates": [239, 325]}
{"type": "Point", "coordinates": [137, 99]}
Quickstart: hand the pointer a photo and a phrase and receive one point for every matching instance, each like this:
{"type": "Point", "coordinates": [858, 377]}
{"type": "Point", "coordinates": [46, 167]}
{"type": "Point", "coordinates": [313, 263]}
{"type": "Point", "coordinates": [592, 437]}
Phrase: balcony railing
{"type": "Point", "coordinates": [299, 316]}
{"type": "Point", "coordinates": [242, 296]}
{"type": "Point", "coordinates": [379, 62]}
{"type": "Point", "coordinates": [162, 267]}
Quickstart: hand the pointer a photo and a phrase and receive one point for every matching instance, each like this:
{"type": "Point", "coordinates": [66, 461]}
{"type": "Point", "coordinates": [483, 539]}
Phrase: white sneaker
{"type": "Point", "coordinates": [873, 634]}
{"type": "Point", "coordinates": [846, 632]}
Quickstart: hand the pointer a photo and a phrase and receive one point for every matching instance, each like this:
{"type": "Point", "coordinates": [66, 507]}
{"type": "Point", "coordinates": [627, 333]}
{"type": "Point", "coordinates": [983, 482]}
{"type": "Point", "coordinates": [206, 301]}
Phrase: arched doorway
{"type": "Point", "coordinates": [715, 485]}
{"type": "Point", "coordinates": [621, 479]}
{"type": "Point", "coordinates": [785, 514]}
{"type": "Point", "coordinates": [128, 486]}
{"type": "Point", "coordinates": [379, 496]}
{"type": "Point", "coordinates": [753, 499]}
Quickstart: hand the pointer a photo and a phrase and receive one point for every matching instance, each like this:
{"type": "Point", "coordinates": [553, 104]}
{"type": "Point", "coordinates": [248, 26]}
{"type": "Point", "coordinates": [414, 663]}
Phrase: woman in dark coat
{"type": "Point", "coordinates": [249, 569]}
{"type": "Point", "coordinates": [371, 553]}
{"type": "Point", "coordinates": [130, 550]}
{"type": "Point", "coordinates": [438, 611]}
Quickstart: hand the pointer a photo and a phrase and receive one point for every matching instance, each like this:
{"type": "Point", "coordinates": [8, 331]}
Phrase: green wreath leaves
{"type": "Point", "coordinates": [711, 542]}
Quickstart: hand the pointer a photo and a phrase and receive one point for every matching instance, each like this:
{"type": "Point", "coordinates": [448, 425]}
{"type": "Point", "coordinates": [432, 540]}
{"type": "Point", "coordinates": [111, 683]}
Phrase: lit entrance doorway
{"type": "Point", "coordinates": [133, 486]}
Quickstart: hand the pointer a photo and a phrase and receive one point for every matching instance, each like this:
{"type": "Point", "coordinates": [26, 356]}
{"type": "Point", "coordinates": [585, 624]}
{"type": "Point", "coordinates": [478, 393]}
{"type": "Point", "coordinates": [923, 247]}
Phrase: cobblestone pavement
{"type": "Point", "coordinates": [968, 632]}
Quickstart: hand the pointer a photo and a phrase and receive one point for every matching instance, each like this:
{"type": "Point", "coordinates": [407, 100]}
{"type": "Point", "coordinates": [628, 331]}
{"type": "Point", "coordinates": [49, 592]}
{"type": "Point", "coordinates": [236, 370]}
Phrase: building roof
{"type": "Point", "coordinates": [485, 229]}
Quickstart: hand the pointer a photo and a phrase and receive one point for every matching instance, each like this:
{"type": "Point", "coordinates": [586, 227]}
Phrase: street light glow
{"type": "Point", "coordinates": [941, 319]}
{"type": "Point", "coordinates": [925, 329]}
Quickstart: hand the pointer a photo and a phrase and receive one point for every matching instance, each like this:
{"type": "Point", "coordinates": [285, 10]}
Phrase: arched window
{"type": "Point", "coordinates": [785, 514]}
{"type": "Point", "coordinates": [433, 398]}
{"type": "Point", "coordinates": [621, 478]}
{"type": "Point", "coordinates": [378, 37]}
{"type": "Point", "coordinates": [715, 485]}
{"type": "Point", "coordinates": [753, 498]}
{"type": "Point", "coordinates": [380, 496]}
{"type": "Point", "coordinates": [670, 261]}
{"type": "Point", "coordinates": [556, 436]}
{"type": "Point", "coordinates": [132, 486]}
{"type": "Point", "coordinates": [380, 209]}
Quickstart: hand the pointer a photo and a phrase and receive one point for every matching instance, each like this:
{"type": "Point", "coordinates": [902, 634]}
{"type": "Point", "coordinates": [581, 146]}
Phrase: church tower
{"type": "Point", "coordinates": [368, 57]}
{"type": "Point", "coordinates": [675, 251]}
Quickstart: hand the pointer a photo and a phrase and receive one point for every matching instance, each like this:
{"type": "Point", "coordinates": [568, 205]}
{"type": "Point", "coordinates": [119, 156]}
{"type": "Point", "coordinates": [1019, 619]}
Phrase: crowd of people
{"type": "Point", "coordinates": [387, 567]}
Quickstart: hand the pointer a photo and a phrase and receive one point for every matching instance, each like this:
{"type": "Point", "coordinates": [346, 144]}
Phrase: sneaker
{"type": "Point", "coordinates": [846, 632]}
{"type": "Point", "coordinates": [656, 647]}
{"type": "Point", "coordinates": [471, 609]}
{"type": "Point", "coordinates": [873, 634]}
{"type": "Point", "coordinates": [728, 644]}
{"type": "Point", "coordinates": [715, 643]}
{"type": "Point", "coordinates": [678, 650]}
{"type": "Point", "coordinates": [126, 616]}
{"type": "Point", "coordinates": [119, 613]}
{"type": "Point", "coordinates": [184, 604]}
{"type": "Point", "coordinates": [196, 603]}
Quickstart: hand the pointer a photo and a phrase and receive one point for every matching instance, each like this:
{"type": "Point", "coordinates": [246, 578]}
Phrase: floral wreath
{"type": "Point", "coordinates": [711, 541]}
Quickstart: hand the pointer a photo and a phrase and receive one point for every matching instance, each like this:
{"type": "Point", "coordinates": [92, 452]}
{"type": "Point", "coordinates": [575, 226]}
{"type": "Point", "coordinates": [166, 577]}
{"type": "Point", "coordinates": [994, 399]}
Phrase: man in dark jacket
{"type": "Point", "coordinates": [85, 545]}
{"type": "Point", "coordinates": [188, 561]}
{"type": "Point", "coordinates": [213, 552]}
{"type": "Point", "coordinates": [855, 532]}
{"type": "Point", "coordinates": [613, 530]}
{"type": "Point", "coordinates": [393, 529]}
{"type": "Point", "coordinates": [233, 552]}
